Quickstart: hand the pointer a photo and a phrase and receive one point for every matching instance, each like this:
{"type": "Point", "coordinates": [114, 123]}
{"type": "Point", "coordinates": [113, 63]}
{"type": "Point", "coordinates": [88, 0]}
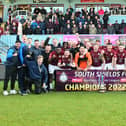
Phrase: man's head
{"type": "Point", "coordinates": [66, 53]}
{"type": "Point", "coordinates": [55, 42]}
{"type": "Point", "coordinates": [118, 42]}
{"type": "Point", "coordinates": [24, 38]}
{"type": "Point", "coordinates": [95, 47]}
{"type": "Point", "coordinates": [121, 47]}
{"type": "Point", "coordinates": [18, 44]}
{"type": "Point", "coordinates": [36, 43]}
{"type": "Point", "coordinates": [82, 49]}
{"type": "Point", "coordinates": [48, 48]}
{"type": "Point", "coordinates": [109, 46]}
{"type": "Point", "coordinates": [65, 45]}
{"type": "Point", "coordinates": [58, 48]}
{"type": "Point", "coordinates": [107, 41]}
{"type": "Point", "coordinates": [40, 60]}
{"type": "Point", "coordinates": [30, 41]}
{"type": "Point", "coordinates": [88, 45]}
{"type": "Point", "coordinates": [98, 42]}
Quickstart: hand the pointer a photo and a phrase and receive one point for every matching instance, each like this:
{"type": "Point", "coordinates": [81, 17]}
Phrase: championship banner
{"type": "Point", "coordinates": [73, 80]}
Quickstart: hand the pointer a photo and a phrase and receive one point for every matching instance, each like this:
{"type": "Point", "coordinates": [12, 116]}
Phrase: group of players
{"type": "Point", "coordinates": [37, 63]}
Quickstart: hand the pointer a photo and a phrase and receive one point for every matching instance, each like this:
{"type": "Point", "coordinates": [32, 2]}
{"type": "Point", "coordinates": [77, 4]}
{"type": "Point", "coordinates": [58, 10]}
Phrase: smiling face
{"type": "Point", "coordinates": [17, 44]}
{"type": "Point", "coordinates": [36, 43]}
{"type": "Point", "coordinates": [40, 60]}
{"type": "Point", "coordinates": [121, 48]}
{"type": "Point", "coordinates": [82, 50]}
{"type": "Point", "coordinates": [66, 53]}
{"type": "Point", "coordinates": [95, 47]}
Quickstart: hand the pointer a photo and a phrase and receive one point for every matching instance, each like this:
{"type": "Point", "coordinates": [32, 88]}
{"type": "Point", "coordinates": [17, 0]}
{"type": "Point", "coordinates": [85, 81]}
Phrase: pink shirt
{"type": "Point", "coordinates": [101, 12]}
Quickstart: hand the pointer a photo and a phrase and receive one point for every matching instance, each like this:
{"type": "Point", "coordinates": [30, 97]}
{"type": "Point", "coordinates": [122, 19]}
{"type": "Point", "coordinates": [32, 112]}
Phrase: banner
{"type": "Point", "coordinates": [114, 38]}
{"type": "Point", "coordinates": [83, 38]}
{"type": "Point", "coordinates": [91, 38]}
{"type": "Point", "coordinates": [83, 1]}
{"type": "Point", "coordinates": [42, 1]}
{"type": "Point", "coordinates": [72, 80]}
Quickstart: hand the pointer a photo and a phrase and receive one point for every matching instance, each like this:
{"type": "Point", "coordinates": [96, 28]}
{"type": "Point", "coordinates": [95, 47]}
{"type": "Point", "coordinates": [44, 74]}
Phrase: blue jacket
{"type": "Point", "coordinates": [21, 58]}
{"type": "Point", "coordinates": [35, 73]}
{"type": "Point", "coordinates": [42, 25]}
{"type": "Point", "coordinates": [12, 60]}
{"type": "Point", "coordinates": [34, 25]}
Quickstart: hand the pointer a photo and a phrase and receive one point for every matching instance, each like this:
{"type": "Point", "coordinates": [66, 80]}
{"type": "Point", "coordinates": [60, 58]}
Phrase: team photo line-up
{"type": "Point", "coordinates": [36, 63]}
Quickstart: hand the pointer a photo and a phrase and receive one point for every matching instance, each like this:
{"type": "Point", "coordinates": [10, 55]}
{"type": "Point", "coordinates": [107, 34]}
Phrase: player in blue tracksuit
{"type": "Point", "coordinates": [11, 67]}
{"type": "Point", "coordinates": [21, 70]}
{"type": "Point", "coordinates": [38, 73]}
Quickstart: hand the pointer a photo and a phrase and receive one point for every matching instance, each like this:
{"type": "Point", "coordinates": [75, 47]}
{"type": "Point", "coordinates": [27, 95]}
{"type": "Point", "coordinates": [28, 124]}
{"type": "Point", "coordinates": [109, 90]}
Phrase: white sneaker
{"type": "Point", "coordinates": [5, 93]}
{"type": "Point", "coordinates": [51, 87]}
{"type": "Point", "coordinates": [19, 92]}
{"type": "Point", "coordinates": [13, 92]}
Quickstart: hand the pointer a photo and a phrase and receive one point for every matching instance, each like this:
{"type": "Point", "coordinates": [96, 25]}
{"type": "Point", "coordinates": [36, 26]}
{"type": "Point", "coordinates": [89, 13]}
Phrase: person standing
{"type": "Point", "coordinates": [21, 66]}
{"type": "Point", "coordinates": [83, 59]}
{"type": "Point", "coordinates": [121, 58]}
{"type": "Point", "coordinates": [98, 61]}
{"type": "Point", "coordinates": [11, 68]}
{"type": "Point", "coordinates": [109, 55]}
{"type": "Point", "coordinates": [45, 53]}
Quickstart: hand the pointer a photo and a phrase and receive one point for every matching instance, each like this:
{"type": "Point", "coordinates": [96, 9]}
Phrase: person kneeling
{"type": "Point", "coordinates": [38, 74]}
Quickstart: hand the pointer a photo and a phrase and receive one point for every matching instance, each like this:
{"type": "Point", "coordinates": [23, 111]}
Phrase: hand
{"type": "Point", "coordinates": [44, 85]}
{"type": "Point", "coordinates": [15, 54]}
{"type": "Point", "coordinates": [85, 69]}
{"type": "Point", "coordinates": [50, 36]}
{"type": "Point", "coordinates": [24, 65]}
{"type": "Point", "coordinates": [81, 56]}
{"type": "Point", "coordinates": [60, 40]}
{"type": "Point", "coordinates": [59, 64]}
{"type": "Point", "coordinates": [63, 64]}
{"type": "Point", "coordinates": [28, 56]}
{"type": "Point", "coordinates": [72, 64]}
{"type": "Point", "coordinates": [79, 68]}
{"type": "Point", "coordinates": [54, 56]}
{"type": "Point", "coordinates": [29, 46]}
{"type": "Point", "coordinates": [102, 52]}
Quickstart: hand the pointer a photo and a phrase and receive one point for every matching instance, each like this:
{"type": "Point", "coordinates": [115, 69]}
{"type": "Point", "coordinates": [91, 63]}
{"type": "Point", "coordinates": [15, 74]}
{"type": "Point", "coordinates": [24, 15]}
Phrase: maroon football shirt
{"type": "Point", "coordinates": [121, 57]}
{"type": "Point", "coordinates": [96, 58]}
{"type": "Point", "coordinates": [108, 55]}
{"type": "Point", "coordinates": [54, 57]}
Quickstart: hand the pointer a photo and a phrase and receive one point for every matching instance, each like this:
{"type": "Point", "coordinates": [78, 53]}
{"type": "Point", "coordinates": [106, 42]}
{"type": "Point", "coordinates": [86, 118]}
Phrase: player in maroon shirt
{"type": "Point", "coordinates": [65, 46]}
{"type": "Point", "coordinates": [121, 58]}
{"type": "Point", "coordinates": [89, 46]}
{"type": "Point", "coordinates": [109, 55]}
{"type": "Point", "coordinates": [66, 61]}
{"type": "Point", "coordinates": [107, 41]}
{"type": "Point", "coordinates": [116, 46]}
{"type": "Point", "coordinates": [98, 61]}
{"type": "Point", "coordinates": [100, 46]}
{"type": "Point", "coordinates": [54, 57]}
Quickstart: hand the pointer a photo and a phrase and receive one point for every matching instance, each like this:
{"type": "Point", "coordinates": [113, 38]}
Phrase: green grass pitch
{"type": "Point", "coordinates": [63, 109]}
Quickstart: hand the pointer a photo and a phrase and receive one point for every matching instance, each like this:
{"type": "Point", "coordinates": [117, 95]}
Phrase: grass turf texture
{"type": "Point", "coordinates": [63, 109]}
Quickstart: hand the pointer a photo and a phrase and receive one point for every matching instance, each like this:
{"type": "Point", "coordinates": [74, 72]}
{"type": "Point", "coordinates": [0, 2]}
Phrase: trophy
{"type": "Point", "coordinates": [102, 86]}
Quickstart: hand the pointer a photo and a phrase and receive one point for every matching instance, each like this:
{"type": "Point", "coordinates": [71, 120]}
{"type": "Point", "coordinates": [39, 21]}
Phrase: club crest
{"type": "Point", "coordinates": [63, 77]}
